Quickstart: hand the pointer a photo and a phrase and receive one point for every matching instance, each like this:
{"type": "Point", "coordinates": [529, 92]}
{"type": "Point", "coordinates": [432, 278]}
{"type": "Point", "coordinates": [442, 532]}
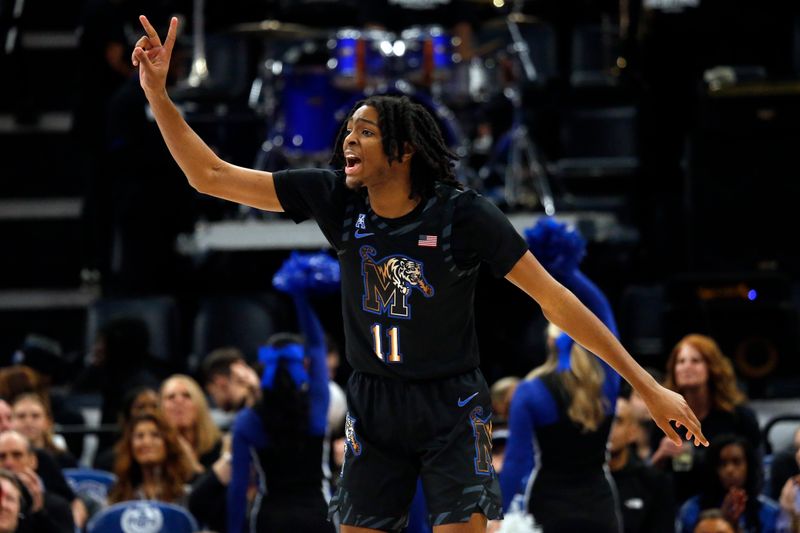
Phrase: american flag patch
{"type": "Point", "coordinates": [427, 240]}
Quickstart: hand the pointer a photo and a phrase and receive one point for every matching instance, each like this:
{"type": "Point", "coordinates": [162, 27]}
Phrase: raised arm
{"type": "Point", "coordinates": [563, 309]}
{"type": "Point", "coordinates": [248, 432]}
{"type": "Point", "coordinates": [205, 171]}
{"type": "Point", "coordinates": [316, 352]}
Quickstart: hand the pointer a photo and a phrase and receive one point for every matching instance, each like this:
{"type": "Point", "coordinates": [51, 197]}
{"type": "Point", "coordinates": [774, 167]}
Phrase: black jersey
{"type": "Point", "coordinates": [408, 284]}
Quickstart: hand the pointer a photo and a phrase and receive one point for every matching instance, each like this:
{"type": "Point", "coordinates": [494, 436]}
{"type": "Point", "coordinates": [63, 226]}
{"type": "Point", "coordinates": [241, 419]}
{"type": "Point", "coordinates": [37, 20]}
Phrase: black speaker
{"type": "Point", "coordinates": [742, 189]}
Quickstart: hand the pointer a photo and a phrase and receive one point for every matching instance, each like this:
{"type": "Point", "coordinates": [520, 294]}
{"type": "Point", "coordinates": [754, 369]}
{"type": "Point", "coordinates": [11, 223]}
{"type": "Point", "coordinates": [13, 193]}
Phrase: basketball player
{"type": "Point", "coordinates": [409, 242]}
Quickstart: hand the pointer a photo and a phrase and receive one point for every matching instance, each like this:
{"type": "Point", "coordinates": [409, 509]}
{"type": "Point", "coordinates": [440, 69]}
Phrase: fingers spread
{"type": "Point", "coordinates": [151, 31]}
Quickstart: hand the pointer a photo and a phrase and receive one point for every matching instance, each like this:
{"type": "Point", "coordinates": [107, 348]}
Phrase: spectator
{"type": "Point", "coordinates": [49, 512]}
{"type": "Point", "coordinates": [230, 383]}
{"type": "Point", "coordinates": [151, 462]}
{"type": "Point", "coordinates": [645, 493]}
{"type": "Point", "coordinates": [11, 502]}
{"type": "Point", "coordinates": [698, 370]}
{"type": "Point", "coordinates": [46, 468]}
{"type": "Point", "coordinates": [55, 370]}
{"type": "Point", "coordinates": [135, 402]}
{"type": "Point", "coordinates": [790, 503]}
{"type": "Point", "coordinates": [186, 408]}
{"type": "Point", "coordinates": [713, 521]}
{"type": "Point", "coordinates": [6, 415]}
{"type": "Point", "coordinates": [732, 482]}
{"type": "Point", "coordinates": [32, 418]}
{"type": "Point", "coordinates": [785, 465]}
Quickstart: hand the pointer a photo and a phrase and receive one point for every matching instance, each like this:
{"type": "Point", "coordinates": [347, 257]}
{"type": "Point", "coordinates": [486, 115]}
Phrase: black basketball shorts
{"type": "Point", "coordinates": [397, 431]}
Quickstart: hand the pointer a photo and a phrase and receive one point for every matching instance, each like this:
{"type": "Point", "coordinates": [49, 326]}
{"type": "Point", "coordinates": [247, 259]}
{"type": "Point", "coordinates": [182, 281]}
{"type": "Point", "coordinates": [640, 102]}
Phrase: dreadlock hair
{"type": "Point", "coordinates": [406, 123]}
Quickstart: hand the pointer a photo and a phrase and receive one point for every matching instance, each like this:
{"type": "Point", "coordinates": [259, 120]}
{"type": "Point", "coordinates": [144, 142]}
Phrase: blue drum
{"type": "Point", "coordinates": [361, 58]}
{"type": "Point", "coordinates": [306, 123]}
{"type": "Point", "coordinates": [428, 54]}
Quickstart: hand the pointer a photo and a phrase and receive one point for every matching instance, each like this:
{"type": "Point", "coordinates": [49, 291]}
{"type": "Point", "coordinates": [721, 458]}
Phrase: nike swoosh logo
{"type": "Point", "coordinates": [462, 403]}
{"type": "Point", "coordinates": [360, 235]}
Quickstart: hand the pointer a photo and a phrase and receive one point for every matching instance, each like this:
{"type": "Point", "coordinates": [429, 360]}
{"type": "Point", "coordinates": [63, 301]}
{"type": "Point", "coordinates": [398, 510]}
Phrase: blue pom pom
{"type": "Point", "coordinates": [301, 272]}
{"type": "Point", "coordinates": [558, 247]}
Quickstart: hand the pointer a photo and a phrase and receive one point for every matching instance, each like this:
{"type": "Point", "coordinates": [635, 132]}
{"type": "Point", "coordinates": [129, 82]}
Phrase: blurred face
{"type": "Point", "coordinates": [14, 453]}
{"type": "Point", "coordinates": [622, 430]}
{"type": "Point", "coordinates": [31, 420]}
{"type": "Point", "coordinates": [690, 368]}
{"type": "Point", "coordinates": [713, 525]}
{"type": "Point", "coordinates": [5, 416]}
{"type": "Point", "coordinates": [177, 404]}
{"type": "Point", "coordinates": [732, 467]}
{"type": "Point", "coordinates": [9, 506]}
{"type": "Point", "coordinates": [145, 401]}
{"type": "Point", "coordinates": [147, 444]}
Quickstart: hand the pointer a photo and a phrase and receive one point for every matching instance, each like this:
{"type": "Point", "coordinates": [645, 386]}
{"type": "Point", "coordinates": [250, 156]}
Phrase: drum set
{"type": "Point", "coordinates": [309, 78]}
{"type": "Point", "coordinates": [308, 82]}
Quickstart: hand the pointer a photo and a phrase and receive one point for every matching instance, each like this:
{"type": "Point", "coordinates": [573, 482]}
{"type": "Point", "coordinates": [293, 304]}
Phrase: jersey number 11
{"type": "Point", "coordinates": [393, 336]}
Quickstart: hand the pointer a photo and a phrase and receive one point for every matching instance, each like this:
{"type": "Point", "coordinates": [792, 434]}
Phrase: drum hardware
{"type": "Point", "coordinates": [523, 159]}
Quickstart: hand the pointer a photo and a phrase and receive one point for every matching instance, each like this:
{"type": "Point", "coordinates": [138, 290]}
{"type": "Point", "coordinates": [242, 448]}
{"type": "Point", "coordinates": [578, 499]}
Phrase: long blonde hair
{"type": "Point", "coordinates": [206, 432]}
{"type": "Point", "coordinates": [583, 382]}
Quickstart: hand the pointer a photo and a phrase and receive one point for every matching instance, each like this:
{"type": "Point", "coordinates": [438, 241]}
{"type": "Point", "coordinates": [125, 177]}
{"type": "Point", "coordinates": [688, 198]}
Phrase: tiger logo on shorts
{"type": "Point", "coordinates": [350, 435]}
{"type": "Point", "coordinates": [388, 283]}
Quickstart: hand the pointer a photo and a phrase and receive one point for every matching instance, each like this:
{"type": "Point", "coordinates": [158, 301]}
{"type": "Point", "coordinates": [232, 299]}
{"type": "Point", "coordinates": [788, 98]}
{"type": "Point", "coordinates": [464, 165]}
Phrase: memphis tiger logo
{"type": "Point", "coordinates": [388, 283]}
{"type": "Point", "coordinates": [351, 440]}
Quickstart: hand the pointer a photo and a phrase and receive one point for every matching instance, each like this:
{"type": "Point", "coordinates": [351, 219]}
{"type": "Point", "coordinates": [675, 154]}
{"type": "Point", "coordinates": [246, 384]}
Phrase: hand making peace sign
{"type": "Point", "coordinates": [152, 57]}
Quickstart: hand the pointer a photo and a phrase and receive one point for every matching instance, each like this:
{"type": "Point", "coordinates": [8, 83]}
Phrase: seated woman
{"type": "Point", "coordinates": [732, 482]}
{"type": "Point", "coordinates": [136, 401]}
{"type": "Point", "coordinates": [697, 369]}
{"type": "Point", "coordinates": [186, 408]}
{"type": "Point", "coordinates": [32, 417]}
{"type": "Point", "coordinates": [151, 463]}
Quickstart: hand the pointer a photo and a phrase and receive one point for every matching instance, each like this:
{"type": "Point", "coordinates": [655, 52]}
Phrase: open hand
{"type": "Point", "coordinates": [152, 57]}
{"type": "Point", "coordinates": [666, 406]}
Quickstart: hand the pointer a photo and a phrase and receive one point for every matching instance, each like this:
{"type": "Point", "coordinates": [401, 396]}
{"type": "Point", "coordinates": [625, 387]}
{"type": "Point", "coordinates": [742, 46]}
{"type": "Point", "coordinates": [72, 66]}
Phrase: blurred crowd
{"type": "Point", "coordinates": [170, 441]}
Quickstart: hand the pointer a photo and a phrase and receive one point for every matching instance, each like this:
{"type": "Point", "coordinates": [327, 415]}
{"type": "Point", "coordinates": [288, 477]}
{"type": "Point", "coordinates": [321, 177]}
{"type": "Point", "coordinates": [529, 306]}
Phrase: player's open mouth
{"type": "Point", "coordinates": [352, 164]}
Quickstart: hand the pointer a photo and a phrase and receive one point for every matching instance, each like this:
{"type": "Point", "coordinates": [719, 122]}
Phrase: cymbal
{"type": "Point", "coordinates": [519, 18]}
{"type": "Point", "coordinates": [275, 29]}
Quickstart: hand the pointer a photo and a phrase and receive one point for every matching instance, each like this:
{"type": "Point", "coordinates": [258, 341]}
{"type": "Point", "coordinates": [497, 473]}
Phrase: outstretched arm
{"type": "Point", "coordinates": [563, 309]}
{"type": "Point", "coordinates": [593, 298]}
{"type": "Point", "coordinates": [205, 171]}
